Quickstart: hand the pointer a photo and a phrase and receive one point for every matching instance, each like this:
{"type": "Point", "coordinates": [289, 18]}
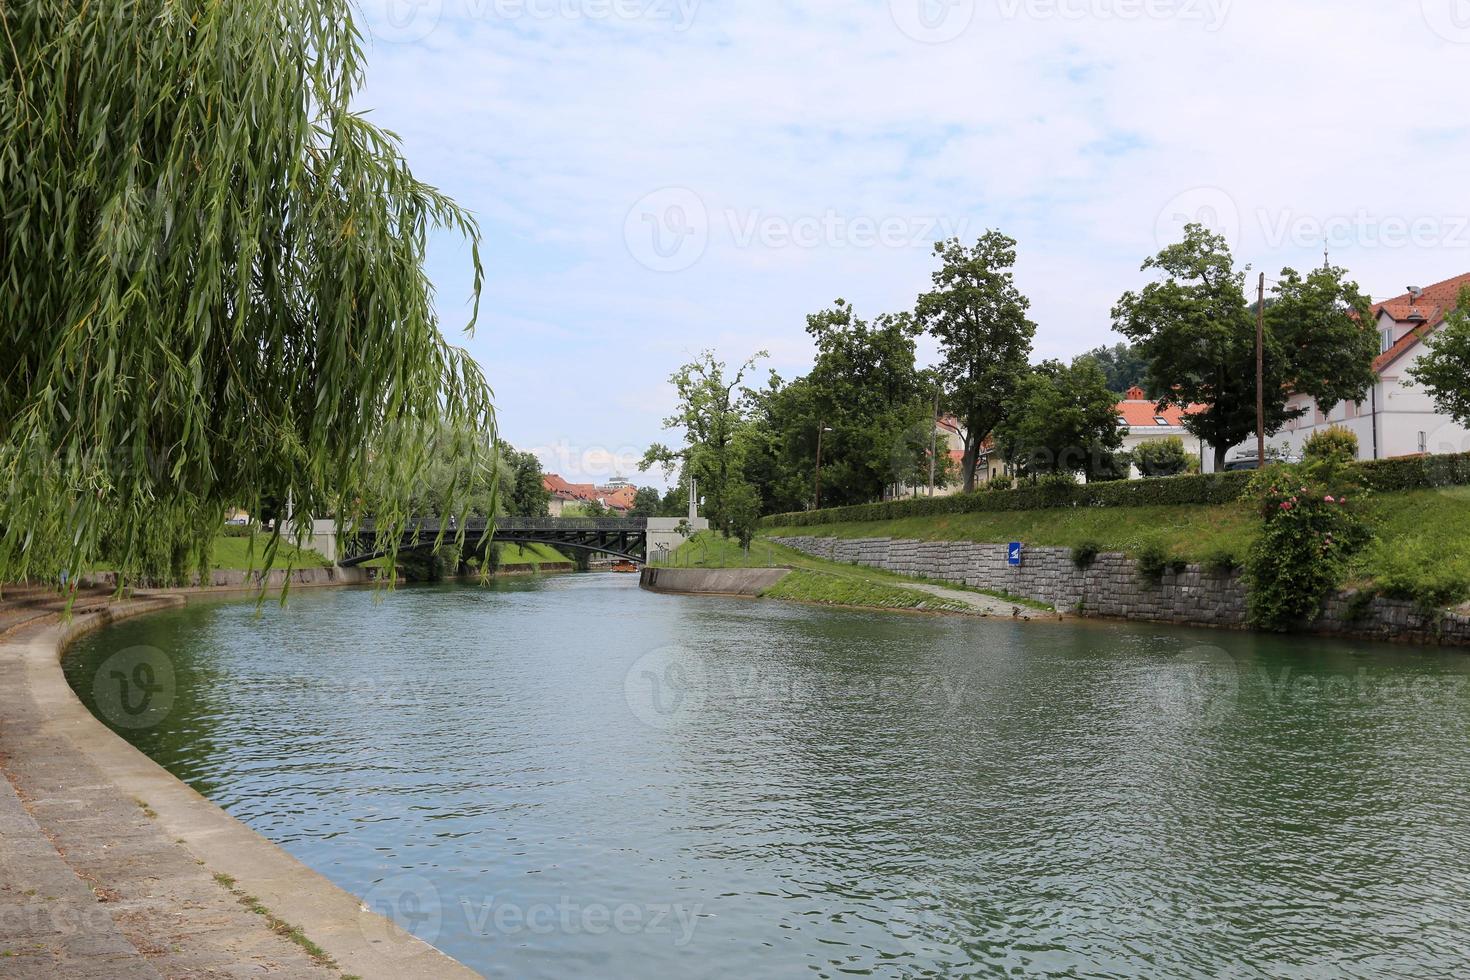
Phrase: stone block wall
{"type": "Point", "coordinates": [1113, 587]}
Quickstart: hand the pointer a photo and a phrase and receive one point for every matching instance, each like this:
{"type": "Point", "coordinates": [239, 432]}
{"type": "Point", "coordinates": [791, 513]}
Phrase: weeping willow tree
{"type": "Point", "coordinates": [212, 289]}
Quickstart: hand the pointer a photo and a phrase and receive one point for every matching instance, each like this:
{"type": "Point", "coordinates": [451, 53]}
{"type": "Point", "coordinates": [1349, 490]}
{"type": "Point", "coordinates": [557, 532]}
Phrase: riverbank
{"type": "Point", "coordinates": [711, 564]}
{"type": "Point", "coordinates": [1113, 586]}
{"type": "Point", "coordinates": [114, 868]}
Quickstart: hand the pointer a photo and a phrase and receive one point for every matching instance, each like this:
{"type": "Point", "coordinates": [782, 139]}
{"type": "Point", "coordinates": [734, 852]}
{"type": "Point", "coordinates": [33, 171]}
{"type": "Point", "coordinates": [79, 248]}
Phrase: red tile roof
{"type": "Point", "coordinates": [1434, 304]}
{"type": "Point", "coordinates": [1139, 411]}
{"type": "Point", "coordinates": [620, 498]}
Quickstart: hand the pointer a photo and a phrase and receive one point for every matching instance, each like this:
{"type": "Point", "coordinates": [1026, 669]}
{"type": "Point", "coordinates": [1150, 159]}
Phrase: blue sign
{"type": "Point", "coordinates": [1015, 553]}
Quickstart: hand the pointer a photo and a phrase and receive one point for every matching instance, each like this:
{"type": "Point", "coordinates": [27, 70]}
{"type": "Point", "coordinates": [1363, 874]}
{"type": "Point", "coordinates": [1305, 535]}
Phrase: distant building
{"type": "Point", "coordinates": [1398, 417]}
{"type": "Point", "coordinates": [1143, 421]}
{"type": "Point", "coordinates": [617, 496]}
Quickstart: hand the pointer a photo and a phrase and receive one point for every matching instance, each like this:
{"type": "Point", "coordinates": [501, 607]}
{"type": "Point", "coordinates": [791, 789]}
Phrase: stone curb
{"type": "Point", "coordinates": [331, 917]}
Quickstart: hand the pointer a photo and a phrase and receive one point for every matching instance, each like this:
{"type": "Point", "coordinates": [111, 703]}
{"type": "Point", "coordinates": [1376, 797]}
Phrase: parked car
{"type": "Point", "coordinates": [1246, 460]}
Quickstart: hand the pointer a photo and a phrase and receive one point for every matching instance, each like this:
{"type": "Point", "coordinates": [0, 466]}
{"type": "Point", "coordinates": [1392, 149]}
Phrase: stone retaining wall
{"type": "Point", "coordinates": [1112, 586]}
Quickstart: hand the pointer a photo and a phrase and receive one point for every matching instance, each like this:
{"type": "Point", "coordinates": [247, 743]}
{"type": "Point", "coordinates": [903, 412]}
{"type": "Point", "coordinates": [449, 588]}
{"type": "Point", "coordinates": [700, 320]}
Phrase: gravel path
{"type": "Point", "coordinates": [980, 603]}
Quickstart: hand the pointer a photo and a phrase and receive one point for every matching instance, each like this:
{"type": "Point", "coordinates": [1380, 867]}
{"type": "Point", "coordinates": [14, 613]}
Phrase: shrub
{"type": "Point", "coordinates": [1162, 457]}
{"type": "Point", "coordinates": [1424, 569]}
{"type": "Point", "coordinates": [1415, 472]}
{"type": "Point", "coordinates": [1153, 561]}
{"type": "Point", "coordinates": [1001, 482]}
{"type": "Point", "coordinates": [1333, 443]}
{"type": "Point", "coordinates": [239, 530]}
{"type": "Point", "coordinates": [1085, 554]}
{"type": "Point", "coordinates": [1309, 532]}
{"type": "Point", "coordinates": [1221, 561]}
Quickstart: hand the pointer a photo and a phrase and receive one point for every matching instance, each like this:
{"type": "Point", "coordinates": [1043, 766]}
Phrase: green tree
{"type": "Point", "coordinates": [1196, 330]}
{"type": "Point", "coordinates": [523, 494]}
{"type": "Point", "coordinates": [1123, 365]}
{"type": "Point", "coordinates": [1162, 457]}
{"type": "Point", "coordinates": [979, 318]}
{"type": "Point", "coordinates": [742, 511]}
{"type": "Point", "coordinates": [1445, 370]}
{"type": "Point", "coordinates": [1062, 419]}
{"type": "Point", "coordinates": [646, 503]}
{"type": "Point", "coordinates": [211, 280]}
{"type": "Point", "coordinates": [710, 418]}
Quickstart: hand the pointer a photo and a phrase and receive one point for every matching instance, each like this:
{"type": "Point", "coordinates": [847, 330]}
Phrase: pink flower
{"type": "Point", "coordinates": [1286, 505]}
{"type": "Point", "coordinates": [1329, 499]}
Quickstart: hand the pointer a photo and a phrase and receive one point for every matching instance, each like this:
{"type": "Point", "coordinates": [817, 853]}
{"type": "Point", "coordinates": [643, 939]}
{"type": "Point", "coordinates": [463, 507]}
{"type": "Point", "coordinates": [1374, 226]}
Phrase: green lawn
{"type": "Point", "coordinates": [1190, 532]}
{"type": "Point", "coordinates": [233, 554]}
{"type": "Point", "coordinates": [530, 554]}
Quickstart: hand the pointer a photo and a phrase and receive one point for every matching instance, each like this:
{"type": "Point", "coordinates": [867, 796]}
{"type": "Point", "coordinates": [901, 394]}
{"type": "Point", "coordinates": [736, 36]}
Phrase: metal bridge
{"type": "Point", "coordinates": [620, 537]}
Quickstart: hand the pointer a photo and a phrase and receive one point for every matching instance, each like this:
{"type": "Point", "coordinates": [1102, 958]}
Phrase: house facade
{"type": "Point", "coordinates": [1398, 417]}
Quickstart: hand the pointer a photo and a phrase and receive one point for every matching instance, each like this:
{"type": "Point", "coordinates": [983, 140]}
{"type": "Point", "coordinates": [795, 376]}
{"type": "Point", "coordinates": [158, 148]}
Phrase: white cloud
{"type": "Point", "coordinates": [1070, 124]}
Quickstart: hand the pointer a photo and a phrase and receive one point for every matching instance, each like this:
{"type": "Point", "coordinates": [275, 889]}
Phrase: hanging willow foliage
{"type": "Point", "coordinates": [211, 283]}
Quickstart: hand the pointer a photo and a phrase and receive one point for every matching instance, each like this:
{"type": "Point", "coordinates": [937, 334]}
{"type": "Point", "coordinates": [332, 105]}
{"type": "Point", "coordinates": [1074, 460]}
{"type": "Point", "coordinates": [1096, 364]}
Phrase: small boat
{"type": "Point", "coordinates": [625, 566]}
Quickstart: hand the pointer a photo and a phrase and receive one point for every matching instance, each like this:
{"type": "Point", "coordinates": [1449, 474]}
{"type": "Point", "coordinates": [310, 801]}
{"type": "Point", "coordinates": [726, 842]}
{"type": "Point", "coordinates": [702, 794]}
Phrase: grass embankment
{"type": "Point", "coordinates": [233, 554]}
{"type": "Point", "coordinates": [530, 554]}
{"type": "Point", "coordinates": [1421, 549]}
{"type": "Point", "coordinates": [817, 580]}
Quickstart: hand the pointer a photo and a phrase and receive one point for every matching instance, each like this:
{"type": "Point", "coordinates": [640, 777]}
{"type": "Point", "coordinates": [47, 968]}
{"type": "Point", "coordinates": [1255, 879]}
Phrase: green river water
{"type": "Point", "coordinates": [569, 777]}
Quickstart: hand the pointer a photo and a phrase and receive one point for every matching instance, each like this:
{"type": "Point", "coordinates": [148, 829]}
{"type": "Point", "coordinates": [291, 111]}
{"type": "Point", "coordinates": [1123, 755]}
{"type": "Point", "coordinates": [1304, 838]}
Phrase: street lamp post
{"type": "Point", "coordinates": [821, 428]}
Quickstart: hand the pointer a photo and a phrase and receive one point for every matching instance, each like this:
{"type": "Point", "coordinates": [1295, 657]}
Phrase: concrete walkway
{"type": "Point", "coordinates": [984, 604]}
{"type": "Point", "coordinates": [110, 867]}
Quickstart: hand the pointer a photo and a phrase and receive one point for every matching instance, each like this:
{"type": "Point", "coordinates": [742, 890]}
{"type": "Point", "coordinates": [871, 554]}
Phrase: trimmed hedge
{"type": "Point", "coordinates": [1415, 472]}
{"type": "Point", "coordinates": [1211, 488]}
{"type": "Point", "coordinates": [1384, 476]}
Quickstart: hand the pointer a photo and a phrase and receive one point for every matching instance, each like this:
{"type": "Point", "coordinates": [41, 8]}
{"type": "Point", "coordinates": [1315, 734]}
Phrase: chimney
{"type": "Point", "coordinates": [1136, 394]}
{"type": "Point", "coordinates": [1414, 293]}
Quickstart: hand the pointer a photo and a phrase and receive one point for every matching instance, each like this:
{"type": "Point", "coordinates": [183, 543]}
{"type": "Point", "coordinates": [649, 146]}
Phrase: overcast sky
{"type": "Point", "coordinates": [656, 177]}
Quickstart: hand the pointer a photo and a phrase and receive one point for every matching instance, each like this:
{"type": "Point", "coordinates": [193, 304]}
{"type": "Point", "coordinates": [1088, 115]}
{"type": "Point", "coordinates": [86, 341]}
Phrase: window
{"type": "Point", "coordinates": [1387, 341]}
{"type": "Point", "coordinates": [1423, 442]}
{"type": "Point", "coordinates": [1160, 420]}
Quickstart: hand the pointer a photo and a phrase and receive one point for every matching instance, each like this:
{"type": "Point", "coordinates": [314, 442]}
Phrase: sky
{"type": "Point", "coordinates": [654, 178]}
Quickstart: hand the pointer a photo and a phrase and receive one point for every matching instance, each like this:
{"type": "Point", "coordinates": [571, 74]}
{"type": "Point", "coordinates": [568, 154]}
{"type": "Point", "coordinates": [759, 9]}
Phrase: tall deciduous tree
{"type": "Point", "coordinates": [1198, 333]}
{"type": "Point", "coordinates": [1445, 370]}
{"type": "Point", "coordinates": [1062, 419]}
{"type": "Point", "coordinates": [211, 277]}
{"type": "Point", "coordinates": [979, 318]}
{"type": "Point", "coordinates": [710, 417]}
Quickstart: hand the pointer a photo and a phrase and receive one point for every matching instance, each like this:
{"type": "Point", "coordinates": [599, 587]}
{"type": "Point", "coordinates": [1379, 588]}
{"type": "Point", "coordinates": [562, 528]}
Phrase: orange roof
{"type": "Point", "coordinates": [1139, 411]}
{"type": "Point", "coordinates": [620, 499]}
{"type": "Point", "coordinates": [1433, 305]}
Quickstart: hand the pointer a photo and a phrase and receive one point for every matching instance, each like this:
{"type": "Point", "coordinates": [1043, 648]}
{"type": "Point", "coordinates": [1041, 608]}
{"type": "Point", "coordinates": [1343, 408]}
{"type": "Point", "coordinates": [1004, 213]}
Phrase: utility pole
{"type": "Point", "coordinates": [1261, 374]}
{"type": "Point", "coordinates": [934, 447]}
{"type": "Point", "coordinates": [821, 428]}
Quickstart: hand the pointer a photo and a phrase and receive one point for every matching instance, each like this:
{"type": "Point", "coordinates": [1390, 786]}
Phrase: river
{"type": "Point", "coordinates": [572, 777]}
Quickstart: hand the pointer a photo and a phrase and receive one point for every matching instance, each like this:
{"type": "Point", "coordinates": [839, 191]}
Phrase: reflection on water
{"type": "Point", "coordinates": [571, 777]}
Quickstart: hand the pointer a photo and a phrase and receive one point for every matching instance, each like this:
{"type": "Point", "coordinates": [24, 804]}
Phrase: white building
{"type": "Point", "coordinates": [1142, 421]}
{"type": "Point", "coordinates": [1398, 417]}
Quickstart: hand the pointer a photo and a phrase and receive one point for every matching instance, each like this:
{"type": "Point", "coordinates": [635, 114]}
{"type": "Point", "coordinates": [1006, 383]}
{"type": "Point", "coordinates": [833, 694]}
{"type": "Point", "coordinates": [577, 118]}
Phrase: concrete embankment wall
{"type": "Point", "coordinates": [1113, 587]}
{"type": "Point", "coordinates": [712, 581]}
{"type": "Point", "coordinates": [228, 579]}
